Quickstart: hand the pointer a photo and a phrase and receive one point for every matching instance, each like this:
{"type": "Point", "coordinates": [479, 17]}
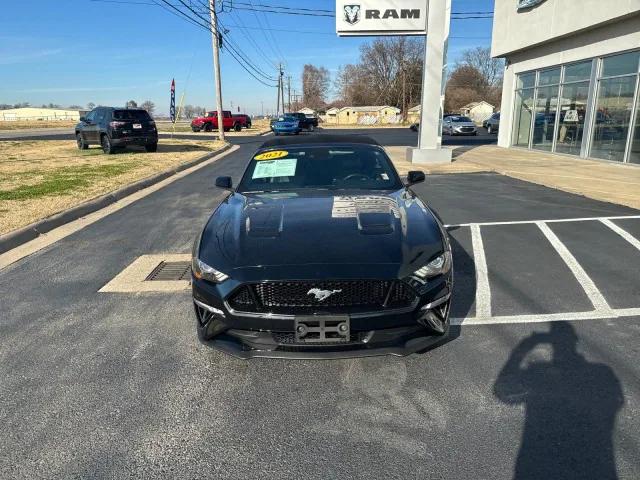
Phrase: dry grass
{"type": "Point", "coordinates": [41, 178]}
{"type": "Point", "coordinates": [26, 124]}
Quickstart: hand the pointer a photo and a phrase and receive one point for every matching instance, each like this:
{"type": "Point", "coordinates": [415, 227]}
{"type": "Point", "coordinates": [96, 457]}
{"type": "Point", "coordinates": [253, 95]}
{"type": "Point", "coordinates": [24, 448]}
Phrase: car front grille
{"type": "Point", "coordinates": [467, 129]}
{"type": "Point", "coordinates": [344, 296]}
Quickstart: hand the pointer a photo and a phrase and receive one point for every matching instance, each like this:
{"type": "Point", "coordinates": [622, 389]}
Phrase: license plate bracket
{"type": "Point", "coordinates": [322, 329]}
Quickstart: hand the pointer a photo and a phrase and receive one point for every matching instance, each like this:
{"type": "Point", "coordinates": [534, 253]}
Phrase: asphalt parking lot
{"type": "Point", "coordinates": [540, 377]}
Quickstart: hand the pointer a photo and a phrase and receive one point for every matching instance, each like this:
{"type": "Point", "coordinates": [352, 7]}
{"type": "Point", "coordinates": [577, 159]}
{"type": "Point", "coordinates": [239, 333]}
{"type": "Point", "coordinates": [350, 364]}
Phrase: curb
{"type": "Point", "coordinates": [25, 234]}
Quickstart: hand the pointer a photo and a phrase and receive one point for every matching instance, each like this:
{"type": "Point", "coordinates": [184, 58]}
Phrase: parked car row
{"type": "Point", "coordinates": [293, 123]}
{"type": "Point", "coordinates": [461, 125]}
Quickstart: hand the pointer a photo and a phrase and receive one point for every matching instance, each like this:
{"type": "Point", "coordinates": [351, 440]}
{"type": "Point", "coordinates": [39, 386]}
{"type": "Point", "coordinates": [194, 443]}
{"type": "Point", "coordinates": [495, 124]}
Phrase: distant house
{"type": "Point", "coordinates": [367, 115]}
{"type": "Point", "coordinates": [35, 114]}
{"type": "Point", "coordinates": [413, 114]}
{"type": "Point", "coordinates": [307, 111]}
{"type": "Point", "coordinates": [478, 111]}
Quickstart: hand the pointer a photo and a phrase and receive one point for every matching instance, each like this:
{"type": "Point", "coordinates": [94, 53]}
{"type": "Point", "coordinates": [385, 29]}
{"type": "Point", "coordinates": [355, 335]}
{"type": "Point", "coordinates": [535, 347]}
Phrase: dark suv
{"type": "Point", "coordinates": [113, 128]}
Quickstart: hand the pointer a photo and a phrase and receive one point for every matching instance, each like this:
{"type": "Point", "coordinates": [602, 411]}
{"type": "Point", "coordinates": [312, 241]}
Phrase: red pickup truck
{"type": "Point", "coordinates": [210, 122]}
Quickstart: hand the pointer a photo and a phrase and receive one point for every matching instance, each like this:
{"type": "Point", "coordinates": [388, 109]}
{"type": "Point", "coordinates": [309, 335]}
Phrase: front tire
{"type": "Point", "coordinates": [237, 127]}
{"type": "Point", "coordinates": [208, 127]}
{"type": "Point", "coordinates": [82, 145]}
{"type": "Point", "coordinates": [152, 147]}
{"type": "Point", "coordinates": [107, 146]}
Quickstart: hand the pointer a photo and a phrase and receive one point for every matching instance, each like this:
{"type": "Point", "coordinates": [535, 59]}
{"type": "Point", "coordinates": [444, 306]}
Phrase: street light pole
{"type": "Point", "coordinates": [215, 42]}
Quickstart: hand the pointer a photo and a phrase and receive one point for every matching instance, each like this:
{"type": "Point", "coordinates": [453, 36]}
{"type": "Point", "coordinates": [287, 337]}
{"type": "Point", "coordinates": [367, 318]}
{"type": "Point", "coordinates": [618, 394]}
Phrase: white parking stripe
{"type": "Point", "coordinates": [483, 293]}
{"type": "Point", "coordinates": [550, 317]}
{"type": "Point", "coordinates": [596, 298]}
{"type": "Point", "coordinates": [622, 232]}
{"type": "Point", "coordinates": [555, 220]}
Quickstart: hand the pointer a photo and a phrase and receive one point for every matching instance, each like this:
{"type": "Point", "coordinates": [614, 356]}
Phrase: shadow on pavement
{"type": "Point", "coordinates": [570, 403]}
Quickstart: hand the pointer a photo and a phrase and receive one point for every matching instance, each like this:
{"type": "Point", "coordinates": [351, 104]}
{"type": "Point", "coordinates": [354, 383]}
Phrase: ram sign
{"type": "Point", "coordinates": [381, 17]}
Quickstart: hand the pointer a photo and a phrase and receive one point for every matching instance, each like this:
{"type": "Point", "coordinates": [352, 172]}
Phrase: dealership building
{"type": "Point", "coordinates": [571, 79]}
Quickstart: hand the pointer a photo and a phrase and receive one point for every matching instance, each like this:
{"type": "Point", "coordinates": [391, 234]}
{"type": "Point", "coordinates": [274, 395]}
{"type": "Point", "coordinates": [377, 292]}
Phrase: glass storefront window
{"type": "Point", "coordinates": [548, 77]}
{"type": "Point", "coordinates": [624, 64]}
{"type": "Point", "coordinates": [612, 117]}
{"type": "Point", "coordinates": [526, 80]}
{"type": "Point", "coordinates": [545, 117]}
{"type": "Point", "coordinates": [577, 71]}
{"type": "Point", "coordinates": [573, 108]}
{"type": "Point", "coordinates": [634, 154]}
{"type": "Point", "coordinates": [522, 120]}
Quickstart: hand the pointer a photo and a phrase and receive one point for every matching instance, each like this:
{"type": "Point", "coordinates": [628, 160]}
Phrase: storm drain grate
{"type": "Point", "coordinates": [167, 271]}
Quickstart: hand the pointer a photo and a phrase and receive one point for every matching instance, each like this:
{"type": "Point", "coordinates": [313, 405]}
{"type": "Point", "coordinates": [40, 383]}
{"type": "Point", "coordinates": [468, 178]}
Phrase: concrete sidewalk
{"type": "Point", "coordinates": [605, 181]}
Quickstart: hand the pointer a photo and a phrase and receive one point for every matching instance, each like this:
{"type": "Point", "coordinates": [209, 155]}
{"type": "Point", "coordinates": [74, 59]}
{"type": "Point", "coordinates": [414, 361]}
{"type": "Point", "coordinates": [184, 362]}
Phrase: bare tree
{"type": "Point", "coordinates": [149, 106]}
{"type": "Point", "coordinates": [131, 104]}
{"type": "Point", "coordinates": [315, 86]}
{"type": "Point", "coordinates": [480, 59]}
{"type": "Point", "coordinates": [189, 111]}
{"type": "Point", "coordinates": [465, 85]}
{"type": "Point", "coordinates": [389, 73]}
{"type": "Point", "coordinates": [91, 106]}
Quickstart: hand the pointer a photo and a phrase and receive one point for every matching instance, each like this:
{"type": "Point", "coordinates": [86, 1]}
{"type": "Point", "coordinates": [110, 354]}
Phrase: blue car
{"type": "Point", "coordinates": [286, 124]}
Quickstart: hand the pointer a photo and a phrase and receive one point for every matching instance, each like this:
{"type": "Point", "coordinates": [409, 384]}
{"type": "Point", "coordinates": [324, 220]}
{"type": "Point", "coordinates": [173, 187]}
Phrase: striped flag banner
{"type": "Point", "coordinates": [172, 106]}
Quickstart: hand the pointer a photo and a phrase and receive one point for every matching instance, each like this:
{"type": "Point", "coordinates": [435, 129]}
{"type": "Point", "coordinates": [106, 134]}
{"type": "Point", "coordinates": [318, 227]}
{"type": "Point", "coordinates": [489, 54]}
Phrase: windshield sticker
{"type": "Point", "coordinates": [271, 155]}
{"type": "Point", "coordinates": [275, 168]}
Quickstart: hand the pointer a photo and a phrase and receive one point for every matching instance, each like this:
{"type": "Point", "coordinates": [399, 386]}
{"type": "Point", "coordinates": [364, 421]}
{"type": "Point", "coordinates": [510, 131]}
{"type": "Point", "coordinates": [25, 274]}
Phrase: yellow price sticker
{"type": "Point", "coordinates": [271, 155]}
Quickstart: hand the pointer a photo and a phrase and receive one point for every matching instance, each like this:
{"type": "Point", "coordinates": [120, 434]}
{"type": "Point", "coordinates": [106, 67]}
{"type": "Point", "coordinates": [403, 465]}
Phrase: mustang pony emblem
{"type": "Point", "coordinates": [352, 14]}
{"type": "Point", "coordinates": [322, 294]}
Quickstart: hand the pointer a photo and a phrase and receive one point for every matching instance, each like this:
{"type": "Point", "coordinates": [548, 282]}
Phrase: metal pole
{"type": "Point", "coordinates": [282, 91]}
{"type": "Point", "coordinates": [429, 140]}
{"type": "Point", "coordinates": [289, 90]}
{"type": "Point", "coordinates": [216, 66]}
{"type": "Point", "coordinates": [279, 86]}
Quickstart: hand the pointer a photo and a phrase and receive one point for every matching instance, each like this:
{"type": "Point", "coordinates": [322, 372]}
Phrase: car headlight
{"type": "Point", "coordinates": [202, 271]}
{"type": "Point", "coordinates": [439, 265]}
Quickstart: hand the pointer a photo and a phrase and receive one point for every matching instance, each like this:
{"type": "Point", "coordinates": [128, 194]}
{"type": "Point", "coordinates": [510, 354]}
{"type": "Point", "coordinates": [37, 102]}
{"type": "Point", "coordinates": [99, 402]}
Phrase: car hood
{"type": "Point", "coordinates": [321, 233]}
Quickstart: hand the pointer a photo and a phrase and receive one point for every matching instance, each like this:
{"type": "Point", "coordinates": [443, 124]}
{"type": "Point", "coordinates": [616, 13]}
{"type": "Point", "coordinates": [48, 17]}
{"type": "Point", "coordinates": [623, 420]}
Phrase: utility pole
{"type": "Point", "coordinates": [279, 87]}
{"type": "Point", "coordinates": [289, 90]}
{"type": "Point", "coordinates": [262, 105]}
{"type": "Point", "coordinates": [215, 42]}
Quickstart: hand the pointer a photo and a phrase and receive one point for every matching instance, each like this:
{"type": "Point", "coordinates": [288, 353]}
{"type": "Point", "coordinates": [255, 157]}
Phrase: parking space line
{"type": "Point", "coordinates": [622, 232]}
{"type": "Point", "coordinates": [483, 292]}
{"type": "Point", "coordinates": [555, 220]}
{"type": "Point", "coordinates": [596, 298]}
{"type": "Point", "coordinates": [549, 317]}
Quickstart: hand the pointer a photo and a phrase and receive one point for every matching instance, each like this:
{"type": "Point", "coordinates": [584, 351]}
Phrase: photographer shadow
{"type": "Point", "coordinates": [571, 406]}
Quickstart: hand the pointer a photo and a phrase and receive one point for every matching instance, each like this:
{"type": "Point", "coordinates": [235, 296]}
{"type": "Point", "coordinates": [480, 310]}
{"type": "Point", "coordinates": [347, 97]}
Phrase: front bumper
{"type": "Point", "coordinates": [461, 132]}
{"type": "Point", "coordinates": [397, 332]}
{"type": "Point", "coordinates": [286, 130]}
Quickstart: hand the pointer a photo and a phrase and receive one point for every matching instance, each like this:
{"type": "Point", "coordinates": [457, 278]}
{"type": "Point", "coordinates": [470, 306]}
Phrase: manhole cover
{"type": "Point", "coordinates": [167, 271]}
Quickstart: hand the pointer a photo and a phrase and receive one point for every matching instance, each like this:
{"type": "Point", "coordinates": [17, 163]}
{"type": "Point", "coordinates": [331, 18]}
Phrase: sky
{"type": "Point", "coordinates": [79, 51]}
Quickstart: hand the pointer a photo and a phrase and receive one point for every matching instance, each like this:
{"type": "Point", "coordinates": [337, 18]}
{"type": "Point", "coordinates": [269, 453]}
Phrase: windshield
{"type": "Point", "coordinates": [460, 119]}
{"type": "Point", "coordinates": [286, 118]}
{"type": "Point", "coordinates": [334, 167]}
{"type": "Point", "coordinates": [131, 115]}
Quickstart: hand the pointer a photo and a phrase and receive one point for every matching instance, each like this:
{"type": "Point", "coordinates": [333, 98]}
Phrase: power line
{"type": "Point", "coordinates": [275, 41]}
{"type": "Point", "coordinates": [232, 3]}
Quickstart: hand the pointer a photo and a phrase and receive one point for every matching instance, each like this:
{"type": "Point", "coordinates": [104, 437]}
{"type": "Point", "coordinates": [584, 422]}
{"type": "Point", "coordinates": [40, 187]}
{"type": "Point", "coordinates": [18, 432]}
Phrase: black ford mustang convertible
{"type": "Point", "coordinates": [321, 251]}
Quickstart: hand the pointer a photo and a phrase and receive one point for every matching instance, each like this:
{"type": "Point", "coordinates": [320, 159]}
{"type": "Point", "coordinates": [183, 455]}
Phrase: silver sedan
{"type": "Point", "coordinates": [458, 125]}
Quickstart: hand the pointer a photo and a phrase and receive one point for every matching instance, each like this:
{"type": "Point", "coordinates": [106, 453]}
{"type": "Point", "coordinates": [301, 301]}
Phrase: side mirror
{"type": "Point", "coordinates": [226, 183]}
{"type": "Point", "coordinates": [415, 176]}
